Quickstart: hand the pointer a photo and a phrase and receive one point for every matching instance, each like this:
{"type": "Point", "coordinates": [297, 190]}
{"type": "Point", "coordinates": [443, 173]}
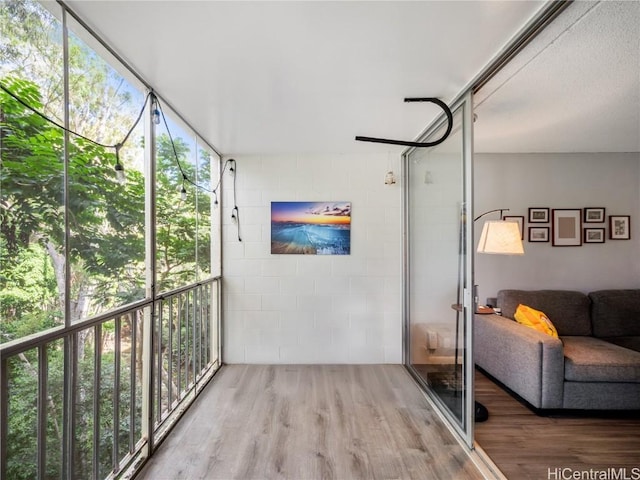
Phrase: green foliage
{"type": "Point", "coordinates": [22, 426]}
{"type": "Point", "coordinates": [106, 218]}
{"type": "Point", "coordinates": [175, 217]}
{"type": "Point", "coordinates": [31, 49]}
{"type": "Point", "coordinates": [21, 458]}
{"type": "Point", "coordinates": [106, 249]}
{"type": "Point", "coordinates": [28, 294]}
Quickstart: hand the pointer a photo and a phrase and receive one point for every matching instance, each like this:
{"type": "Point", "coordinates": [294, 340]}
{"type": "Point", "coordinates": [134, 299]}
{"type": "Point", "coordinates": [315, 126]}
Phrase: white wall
{"type": "Point", "coordinates": [305, 308]}
{"type": "Point", "coordinates": [520, 181]}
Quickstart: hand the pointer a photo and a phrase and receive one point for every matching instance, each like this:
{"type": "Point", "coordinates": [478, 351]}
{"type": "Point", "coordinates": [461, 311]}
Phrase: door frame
{"type": "Point", "coordinates": [465, 430]}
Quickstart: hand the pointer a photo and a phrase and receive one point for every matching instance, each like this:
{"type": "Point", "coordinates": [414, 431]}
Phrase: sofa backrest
{"type": "Point", "coordinates": [615, 313]}
{"type": "Point", "coordinates": [569, 311]}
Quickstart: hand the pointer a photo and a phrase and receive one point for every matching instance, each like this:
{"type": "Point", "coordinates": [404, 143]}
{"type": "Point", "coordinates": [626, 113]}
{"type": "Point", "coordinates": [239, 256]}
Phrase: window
{"type": "Point", "coordinates": [106, 217]}
{"type": "Point", "coordinates": [176, 204]}
{"type": "Point", "coordinates": [73, 253]}
{"type": "Point", "coordinates": [32, 249]}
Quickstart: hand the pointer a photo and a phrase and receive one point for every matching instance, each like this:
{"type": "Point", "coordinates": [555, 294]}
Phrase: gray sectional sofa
{"type": "Point", "coordinates": [594, 365]}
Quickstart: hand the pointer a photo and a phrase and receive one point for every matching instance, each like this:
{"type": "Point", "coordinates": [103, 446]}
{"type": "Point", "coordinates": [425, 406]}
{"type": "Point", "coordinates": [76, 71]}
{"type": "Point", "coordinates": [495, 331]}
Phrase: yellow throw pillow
{"type": "Point", "coordinates": [535, 319]}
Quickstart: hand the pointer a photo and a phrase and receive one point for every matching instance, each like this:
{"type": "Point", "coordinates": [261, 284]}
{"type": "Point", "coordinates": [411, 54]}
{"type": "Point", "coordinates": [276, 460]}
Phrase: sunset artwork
{"type": "Point", "coordinates": [311, 228]}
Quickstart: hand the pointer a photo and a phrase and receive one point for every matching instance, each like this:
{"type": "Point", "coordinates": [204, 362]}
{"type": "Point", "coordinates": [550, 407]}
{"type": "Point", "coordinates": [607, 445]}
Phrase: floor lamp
{"type": "Point", "coordinates": [498, 237]}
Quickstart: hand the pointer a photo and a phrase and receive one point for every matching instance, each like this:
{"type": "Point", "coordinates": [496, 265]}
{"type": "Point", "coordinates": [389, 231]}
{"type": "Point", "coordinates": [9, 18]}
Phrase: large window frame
{"type": "Point", "coordinates": [194, 307]}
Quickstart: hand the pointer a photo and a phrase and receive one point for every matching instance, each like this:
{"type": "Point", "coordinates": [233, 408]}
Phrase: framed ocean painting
{"type": "Point", "coordinates": [311, 228]}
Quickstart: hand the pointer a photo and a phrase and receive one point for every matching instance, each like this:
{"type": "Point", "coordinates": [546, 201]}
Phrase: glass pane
{"type": "Point", "coordinates": [175, 205]}
{"type": "Point", "coordinates": [31, 171]}
{"type": "Point", "coordinates": [55, 410]}
{"type": "Point", "coordinates": [130, 385]}
{"type": "Point", "coordinates": [31, 51]}
{"type": "Point", "coordinates": [171, 316]}
{"type": "Point", "coordinates": [105, 400]}
{"type": "Point", "coordinates": [185, 332]}
{"type": "Point", "coordinates": [203, 206]}
{"type": "Point", "coordinates": [127, 386]}
{"type": "Point", "coordinates": [205, 322]}
{"type": "Point", "coordinates": [22, 425]}
{"type": "Point", "coordinates": [85, 414]}
{"type": "Point", "coordinates": [107, 247]}
{"type": "Point", "coordinates": [437, 264]}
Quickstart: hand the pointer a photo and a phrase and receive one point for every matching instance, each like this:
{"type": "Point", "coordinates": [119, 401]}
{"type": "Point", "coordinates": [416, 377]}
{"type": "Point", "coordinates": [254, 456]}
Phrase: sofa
{"type": "Point", "coordinates": [593, 365]}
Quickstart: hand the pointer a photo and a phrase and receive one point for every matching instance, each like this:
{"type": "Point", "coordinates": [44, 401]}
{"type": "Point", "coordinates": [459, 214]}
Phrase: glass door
{"type": "Point", "coordinates": [438, 267]}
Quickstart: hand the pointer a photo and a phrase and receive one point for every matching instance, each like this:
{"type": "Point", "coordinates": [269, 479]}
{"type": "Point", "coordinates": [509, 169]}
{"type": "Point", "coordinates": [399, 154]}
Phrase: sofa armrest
{"type": "Point", "coordinates": [528, 362]}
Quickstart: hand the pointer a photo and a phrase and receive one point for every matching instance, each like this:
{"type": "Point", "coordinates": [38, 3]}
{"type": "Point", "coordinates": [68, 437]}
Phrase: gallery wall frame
{"type": "Point", "coordinates": [572, 227]}
{"type": "Point", "coordinates": [566, 227]}
{"type": "Point", "coordinates": [538, 215]}
{"type": "Point", "coordinates": [593, 235]}
{"type": "Point", "coordinates": [619, 227]}
{"type": "Point", "coordinates": [594, 215]}
{"type": "Point", "coordinates": [538, 234]}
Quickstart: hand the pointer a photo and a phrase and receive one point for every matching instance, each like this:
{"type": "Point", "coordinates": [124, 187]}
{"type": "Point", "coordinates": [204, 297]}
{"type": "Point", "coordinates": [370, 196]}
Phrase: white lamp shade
{"type": "Point", "coordinates": [500, 237]}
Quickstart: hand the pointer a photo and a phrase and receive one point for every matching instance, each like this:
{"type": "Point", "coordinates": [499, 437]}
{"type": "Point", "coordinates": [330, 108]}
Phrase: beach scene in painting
{"type": "Point", "coordinates": [311, 228]}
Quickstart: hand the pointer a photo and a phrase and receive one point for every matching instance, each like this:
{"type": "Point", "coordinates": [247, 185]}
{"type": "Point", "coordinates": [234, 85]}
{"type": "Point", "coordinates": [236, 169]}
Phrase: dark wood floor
{"type": "Point", "coordinates": [525, 446]}
{"type": "Point", "coordinates": [311, 422]}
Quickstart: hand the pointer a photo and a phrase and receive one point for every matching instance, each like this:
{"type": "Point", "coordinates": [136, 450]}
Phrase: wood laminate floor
{"type": "Point", "coordinates": [526, 446]}
{"type": "Point", "coordinates": [310, 422]}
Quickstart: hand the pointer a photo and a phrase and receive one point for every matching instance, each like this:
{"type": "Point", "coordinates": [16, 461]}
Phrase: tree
{"type": "Point", "coordinates": [106, 219]}
{"type": "Point", "coordinates": [32, 267]}
{"type": "Point", "coordinates": [106, 236]}
{"type": "Point", "coordinates": [106, 227]}
{"type": "Point", "coordinates": [176, 224]}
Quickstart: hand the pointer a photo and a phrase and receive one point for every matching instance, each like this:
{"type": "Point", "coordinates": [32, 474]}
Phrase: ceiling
{"type": "Point", "coordinates": [575, 88]}
{"type": "Point", "coordinates": [307, 77]}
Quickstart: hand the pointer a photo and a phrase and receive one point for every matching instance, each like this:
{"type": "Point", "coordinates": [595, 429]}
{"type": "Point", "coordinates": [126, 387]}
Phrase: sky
{"type": "Point", "coordinates": [335, 213]}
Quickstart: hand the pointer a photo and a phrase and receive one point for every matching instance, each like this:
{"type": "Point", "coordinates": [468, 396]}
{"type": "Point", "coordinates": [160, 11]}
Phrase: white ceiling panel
{"type": "Point", "coordinates": [305, 77]}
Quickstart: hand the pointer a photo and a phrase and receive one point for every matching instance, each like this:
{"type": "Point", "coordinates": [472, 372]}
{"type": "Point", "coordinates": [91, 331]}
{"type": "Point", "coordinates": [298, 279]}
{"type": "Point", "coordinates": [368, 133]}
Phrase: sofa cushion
{"type": "Point", "coordinates": [615, 313]}
{"type": "Point", "coordinates": [568, 310]}
{"type": "Point", "coordinates": [632, 342]}
{"type": "Point", "coordinates": [590, 359]}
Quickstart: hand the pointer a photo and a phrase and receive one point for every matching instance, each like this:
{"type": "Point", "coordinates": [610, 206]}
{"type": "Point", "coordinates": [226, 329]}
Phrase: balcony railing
{"type": "Point", "coordinates": [99, 395]}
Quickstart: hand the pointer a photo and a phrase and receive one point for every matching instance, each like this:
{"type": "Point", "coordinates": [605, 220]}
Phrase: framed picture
{"type": "Point", "coordinates": [538, 215]}
{"type": "Point", "coordinates": [519, 220]}
{"type": "Point", "coordinates": [311, 228]}
{"type": "Point", "coordinates": [538, 234]}
{"type": "Point", "coordinates": [594, 235]}
{"type": "Point", "coordinates": [566, 227]}
{"type": "Point", "coordinates": [619, 227]}
{"type": "Point", "coordinates": [594, 215]}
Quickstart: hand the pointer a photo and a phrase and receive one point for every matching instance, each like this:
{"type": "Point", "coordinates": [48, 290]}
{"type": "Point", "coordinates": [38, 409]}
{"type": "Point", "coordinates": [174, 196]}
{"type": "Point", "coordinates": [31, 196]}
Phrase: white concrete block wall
{"type": "Point", "coordinates": [313, 309]}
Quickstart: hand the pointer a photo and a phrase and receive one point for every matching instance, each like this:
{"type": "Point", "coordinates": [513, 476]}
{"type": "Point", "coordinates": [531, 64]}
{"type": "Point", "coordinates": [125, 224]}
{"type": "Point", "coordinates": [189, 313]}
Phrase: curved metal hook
{"type": "Point", "coordinates": [491, 211]}
{"type": "Point", "coordinates": [438, 102]}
